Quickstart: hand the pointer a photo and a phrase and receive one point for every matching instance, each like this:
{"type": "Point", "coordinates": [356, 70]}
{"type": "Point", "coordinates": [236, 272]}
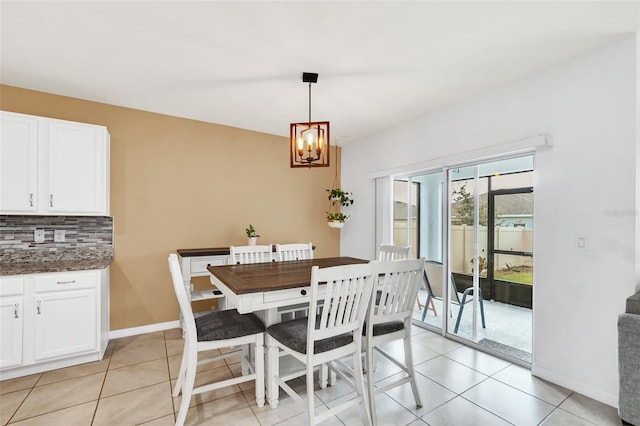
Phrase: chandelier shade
{"type": "Point", "coordinates": [309, 142]}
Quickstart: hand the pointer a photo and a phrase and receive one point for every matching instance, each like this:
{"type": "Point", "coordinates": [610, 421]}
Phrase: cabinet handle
{"type": "Point", "coordinates": [303, 292]}
{"type": "Point", "coordinates": [30, 200]}
{"type": "Point", "coordinates": [50, 200]}
{"type": "Point", "coordinates": [38, 307]}
{"type": "Point", "coordinates": [15, 310]}
{"type": "Point", "coordinates": [66, 282]}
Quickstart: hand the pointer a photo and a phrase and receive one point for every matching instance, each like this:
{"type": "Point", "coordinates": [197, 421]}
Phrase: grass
{"type": "Point", "coordinates": [524, 277]}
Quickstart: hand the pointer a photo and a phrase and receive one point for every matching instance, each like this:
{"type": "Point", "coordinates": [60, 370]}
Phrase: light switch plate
{"type": "Point", "coordinates": [38, 235]}
{"type": "Point", "coordinates": [59, 236]}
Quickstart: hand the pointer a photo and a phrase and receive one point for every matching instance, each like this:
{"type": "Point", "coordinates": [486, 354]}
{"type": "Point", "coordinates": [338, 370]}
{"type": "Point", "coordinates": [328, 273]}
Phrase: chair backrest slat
{"type": "Point", "coordinates": [347, 292]}
{"type": "Point", "coordinates": [285, 252]}
{"type": "Point", "coordinates": [391, 252]}
{"type": "Point", "coordinates": [397, 284]}
{"type": "Point", "coordinates": [240, 255]}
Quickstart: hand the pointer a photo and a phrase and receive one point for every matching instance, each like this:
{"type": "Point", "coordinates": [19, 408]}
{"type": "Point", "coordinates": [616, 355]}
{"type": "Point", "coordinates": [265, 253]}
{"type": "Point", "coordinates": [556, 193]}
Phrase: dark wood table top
{"type": "Point", "coordinates": [260, 277]}
{"type": "Point", "coordinates": [211, 251]}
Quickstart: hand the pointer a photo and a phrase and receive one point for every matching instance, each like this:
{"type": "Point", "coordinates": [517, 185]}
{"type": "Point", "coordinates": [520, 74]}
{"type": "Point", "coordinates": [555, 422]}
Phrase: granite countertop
{"type": "Point", "coordinates": [19, 268]}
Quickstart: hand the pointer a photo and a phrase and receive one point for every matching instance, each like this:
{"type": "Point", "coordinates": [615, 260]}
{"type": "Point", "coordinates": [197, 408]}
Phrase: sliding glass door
{"type": "Point", "coordinates": [421, 227]}
{"type": "Point", "coordinates": [474, 226]}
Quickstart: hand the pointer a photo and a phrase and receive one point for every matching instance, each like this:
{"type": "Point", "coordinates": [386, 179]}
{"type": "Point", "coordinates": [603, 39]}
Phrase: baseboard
{"type": "Point", "coordinates": [134, 331]}
{"type": "Point", "coordinates": [597, 394]}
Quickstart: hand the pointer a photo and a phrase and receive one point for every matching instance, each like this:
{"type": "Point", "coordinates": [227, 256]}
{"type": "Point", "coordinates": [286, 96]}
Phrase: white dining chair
{"type": "Point", "coordinates": [215, 330]}
{"type": "Point", "coordinates": [294, 251]}
{"type": "Point", "coordinates": [392, 252]}
{"type": "Point", "coordinates": [240, 255]}
{"type": "Point", "coordinates": [333, 334]}
{"type": "Point", "coordinates": [388, 319]}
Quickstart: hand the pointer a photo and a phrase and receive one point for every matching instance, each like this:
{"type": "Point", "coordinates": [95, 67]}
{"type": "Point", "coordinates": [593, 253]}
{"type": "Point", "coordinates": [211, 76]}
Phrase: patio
{"type": "Point", "coordinates": [508, 327]}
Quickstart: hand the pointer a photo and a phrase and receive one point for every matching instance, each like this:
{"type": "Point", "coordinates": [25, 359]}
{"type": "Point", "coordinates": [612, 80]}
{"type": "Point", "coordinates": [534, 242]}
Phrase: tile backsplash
{"type": "Point", "coordinates": [86, 237]}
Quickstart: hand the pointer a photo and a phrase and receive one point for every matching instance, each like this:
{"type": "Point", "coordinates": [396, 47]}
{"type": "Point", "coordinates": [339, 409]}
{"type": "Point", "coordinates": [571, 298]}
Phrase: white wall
{"type": "Point", "coordinates": [584, 185]}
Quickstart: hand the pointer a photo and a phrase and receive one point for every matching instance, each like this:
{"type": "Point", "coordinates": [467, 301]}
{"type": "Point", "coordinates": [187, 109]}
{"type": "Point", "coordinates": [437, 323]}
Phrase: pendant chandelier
{"type": "Point", "coordinates": [309, 142]}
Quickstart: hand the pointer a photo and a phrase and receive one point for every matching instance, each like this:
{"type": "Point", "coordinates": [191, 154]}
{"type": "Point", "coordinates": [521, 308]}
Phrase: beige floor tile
{"type": "Point", "coordinates": [175, 360]}
{"type": "Point", "coordinates": [173, 333]}
{"type": "Point", "coordinates": [140, 338]}
{"type": "Point", "coordinates": [73, 372]}
{"type": "Point", "coordinates": [591, 410]}
{"type": "Point", "coordinates": [459, 411]}
{"type": "Point", "coordinates": [162, 421]}
{"type": "Point", "coordinates": [135, 407]}
{"type": "Point", "coordinates": [19, 383]}
{"type": "Point", "coordinates": [135, 376]}
{"type": "Point", "coordinates": [9, 403]}
{"type": "Point", "coordinates": [174, 365]}
{"type": "Point", "coordinates": [233, 410]}
{"type": "Point", "coordinates": [56, 396]}
{"type": "Point", "coordinates": [247, 387]}
{"type": "Point", "coordinates": [136, 351]}
{"type": "Point", "coordinates": [174, 346]}
{"type": "Point", "coordinates": [209, 376]}
{"type": "Point", "coordinates": [560, 417]}
{"type": "Point", "coordinates": [78, 415]}
{"type": "Point", "coordinates": [301, 419]}
{"type": "Point", "coordinates": [110, 348]}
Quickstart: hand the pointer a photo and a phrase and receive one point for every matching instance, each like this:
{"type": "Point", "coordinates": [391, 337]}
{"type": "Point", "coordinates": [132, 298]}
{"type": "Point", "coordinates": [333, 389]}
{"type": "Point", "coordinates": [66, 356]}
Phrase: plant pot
{"type": "Point", "coordinates": [335, 224]}
{"type": "Point", "coordinates": [252, 241]}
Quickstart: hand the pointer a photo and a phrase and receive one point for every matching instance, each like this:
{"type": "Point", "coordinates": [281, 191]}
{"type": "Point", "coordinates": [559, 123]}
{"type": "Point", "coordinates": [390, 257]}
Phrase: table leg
{"type": "Point", "coordinates": [272, 354]}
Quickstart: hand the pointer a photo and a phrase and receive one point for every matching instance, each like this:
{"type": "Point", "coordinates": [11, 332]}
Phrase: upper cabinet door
{"type": "Point", "coordinates": [18, 163]}
{"type": "Point", "coordinates": [77, 163]}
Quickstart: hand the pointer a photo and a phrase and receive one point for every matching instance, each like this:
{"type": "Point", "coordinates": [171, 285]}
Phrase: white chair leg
{"type": "Point", "coordinates": [259, 370]}
{"type": "Point", "coordinates": [310, 395]}
{"type": "Point", "coordinates": [187, 389]}
{"type": "Point", "coordinates": [246, 353]}
{"type": "Point", "coordinates": [367, 412]}
{"type": "Point", "coordinates": [408, 359]}
{"type": "Point", "coordinates": [183, 364]}
{"type": "Point", "coordinates": [323, 376]}
{"type": "Point", "coordinates": [371, 395]}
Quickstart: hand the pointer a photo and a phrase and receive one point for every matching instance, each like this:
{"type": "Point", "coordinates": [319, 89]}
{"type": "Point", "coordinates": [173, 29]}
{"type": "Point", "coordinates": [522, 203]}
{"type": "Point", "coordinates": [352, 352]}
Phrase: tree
{"type": "Point", "coordinates": [465, 206]}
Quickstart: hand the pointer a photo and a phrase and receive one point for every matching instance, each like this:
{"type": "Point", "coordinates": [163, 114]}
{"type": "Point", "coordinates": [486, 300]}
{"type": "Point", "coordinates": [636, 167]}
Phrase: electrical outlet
{"type": "Point", "coordinates": [59, 236]}
{"type": "Point", "coordinates": [38, 235]}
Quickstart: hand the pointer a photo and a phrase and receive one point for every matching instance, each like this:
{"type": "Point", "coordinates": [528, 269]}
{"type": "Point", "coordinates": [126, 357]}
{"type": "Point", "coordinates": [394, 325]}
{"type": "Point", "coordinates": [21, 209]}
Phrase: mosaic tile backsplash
{"type": "Point", "coordinates": [86, 238]}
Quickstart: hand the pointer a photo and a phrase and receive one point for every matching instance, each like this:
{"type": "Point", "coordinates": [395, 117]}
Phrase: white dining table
{"type": "Point", "coordinates": [262, 288]}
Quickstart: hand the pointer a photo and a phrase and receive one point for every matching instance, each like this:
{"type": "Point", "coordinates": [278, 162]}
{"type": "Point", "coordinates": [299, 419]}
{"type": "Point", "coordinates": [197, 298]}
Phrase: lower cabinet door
{"type": "Point", "coordinates": [10, 331]}
{"type": "Point", "coordinates": [65, 323]}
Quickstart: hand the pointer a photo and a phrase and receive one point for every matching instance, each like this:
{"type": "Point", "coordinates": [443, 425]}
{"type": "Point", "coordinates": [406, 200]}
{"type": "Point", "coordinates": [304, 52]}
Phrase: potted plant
{"type": "Point", "coordinates": [336, 219]}
{"type": "Point", "coordinates": [338, 199]}
{"type": "Point", "coordinates": [252, 235]}
{"type": "Point", "coordinates": [340, 196]}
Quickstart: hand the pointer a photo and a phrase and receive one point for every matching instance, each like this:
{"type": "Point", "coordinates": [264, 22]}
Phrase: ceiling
{"type": "Point", "coordinates": [240, 63]}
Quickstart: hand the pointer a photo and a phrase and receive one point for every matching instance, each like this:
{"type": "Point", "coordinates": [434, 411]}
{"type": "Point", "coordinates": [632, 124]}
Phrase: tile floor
{"type": "Point", "coordinates": [132, 385]}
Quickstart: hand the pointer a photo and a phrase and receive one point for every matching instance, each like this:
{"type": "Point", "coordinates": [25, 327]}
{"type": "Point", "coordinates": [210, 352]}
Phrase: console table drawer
{"type": "Point", "coordinates": [199, 265]}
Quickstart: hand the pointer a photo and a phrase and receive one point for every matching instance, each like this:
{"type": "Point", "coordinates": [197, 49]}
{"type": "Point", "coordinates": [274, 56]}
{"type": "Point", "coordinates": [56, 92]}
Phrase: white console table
{"type": "Point", "coordinates": [194, 263]}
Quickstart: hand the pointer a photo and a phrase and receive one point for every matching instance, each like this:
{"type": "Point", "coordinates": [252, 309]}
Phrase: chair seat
{"type": "Point", "coordinates": [293, 334]}
{"type": "Point", "coordinates": [228, 324]}
{"type": "Point", "coordinates": [384, 328]}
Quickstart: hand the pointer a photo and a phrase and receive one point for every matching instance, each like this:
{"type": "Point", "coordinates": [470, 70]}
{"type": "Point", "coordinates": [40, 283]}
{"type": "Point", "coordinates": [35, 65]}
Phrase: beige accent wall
{"type": "Point", "coordinates": [178, 183]}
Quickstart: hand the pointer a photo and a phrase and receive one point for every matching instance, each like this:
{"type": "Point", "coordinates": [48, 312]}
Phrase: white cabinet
{"type": "Point", "coordinates": [66, 314]}
{"type": "Point", "coordinates": [62, 320]}
{"type": "Point", "coordinates": [11, 314]}
{"type": "Point", "coordinates": [53, 166]}
{"type": "Point", "coordinates": [18, 163]}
